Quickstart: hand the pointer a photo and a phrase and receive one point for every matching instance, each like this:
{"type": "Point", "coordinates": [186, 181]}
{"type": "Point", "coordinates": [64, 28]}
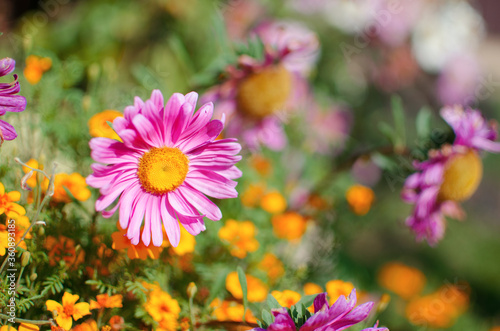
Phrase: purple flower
{"type": "Point", "coordinates": [450, 175]}
{"type": "Point", "coordinates": [168, 161]}
{"type": "Point", "coordinates": [340, 316]}
{"type": "Point", "coordinates": [8, 100]}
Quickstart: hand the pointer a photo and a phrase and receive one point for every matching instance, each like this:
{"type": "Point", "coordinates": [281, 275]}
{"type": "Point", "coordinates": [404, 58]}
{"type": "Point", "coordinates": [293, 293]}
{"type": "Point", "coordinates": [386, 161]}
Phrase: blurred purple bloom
{"type": "Point", "coordinates": [8, 100]}
{"type": "Point", "coordinates": [340, 316]}
{"type": "Point", "coordinates": [424, 188]}
{"type": "Point", "coordinates": [458, 81]}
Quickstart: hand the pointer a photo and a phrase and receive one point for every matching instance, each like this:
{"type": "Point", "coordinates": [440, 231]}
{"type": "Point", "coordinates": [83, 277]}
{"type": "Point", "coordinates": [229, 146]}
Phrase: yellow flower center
{"type": "Point", "coordinates": [264, 92]}
{"type": "Point", "coordinates": [162, 170]}
{"type": "Point", "coordinates": [462, 176]}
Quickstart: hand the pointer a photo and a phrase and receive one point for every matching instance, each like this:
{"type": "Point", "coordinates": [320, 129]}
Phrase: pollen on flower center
{"type": "Point", "coordinates": [264, 92]}
{"type": "Point", "coordinates": [162, 170]}
{"type": "Point", "coordinates": [462, 176]}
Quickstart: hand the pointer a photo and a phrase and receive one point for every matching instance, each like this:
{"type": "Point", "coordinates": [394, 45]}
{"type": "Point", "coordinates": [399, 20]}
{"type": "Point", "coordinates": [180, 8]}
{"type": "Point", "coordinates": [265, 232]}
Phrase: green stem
{"type": "Point", "coordinates": [22, 320]}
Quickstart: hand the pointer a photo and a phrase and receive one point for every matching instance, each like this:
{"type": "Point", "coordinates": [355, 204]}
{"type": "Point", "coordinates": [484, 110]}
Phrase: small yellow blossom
{"type": "Point", "coordinates": [7, 204]}
{"type": "Point", "coordinates": [257, 290]}
{"type": "Point", "coordinates": [290, 226]}
{"type": "Point", "coordinates": [311, 288]}
{"type": "Point", "coordinates": [98, 126]}
{"type": "Point", "coordinates": [253, 194]}
{"type": "Point", "coordinates": [336, 288]}
{"type": "Point", "coordinates": [272, 266]}
{"type": "Point", "coordinates": [401, 279]}
{"type": "Point", "coordinates": [68, 309]}
{"type": "Point", "coordinates": [287, 298]}
{"type": "Point", "coordinates": [240, 236]}
{"type": "Point", "coordinates": [360, 199]}
{"type": "Point", "coordinates": [273, 202]}
{"type": "Point", "coordinates": [163, 309]}
{"type": "Point", "coordinates": [35, 67]}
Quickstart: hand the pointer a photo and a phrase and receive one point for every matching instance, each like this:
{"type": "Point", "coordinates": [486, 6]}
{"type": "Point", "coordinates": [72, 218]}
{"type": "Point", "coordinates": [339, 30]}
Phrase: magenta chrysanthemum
{"type": "Point", "coordinates": [168, 161]}
{"type": "Point", "coordinates": [9, 101]}
{"type": "Point", "coordinates": [450, 175]}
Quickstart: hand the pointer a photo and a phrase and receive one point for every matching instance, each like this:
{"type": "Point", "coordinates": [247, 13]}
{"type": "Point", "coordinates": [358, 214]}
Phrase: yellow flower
{"type": "Point", "coordinates": [19, 224]}
{"type": "Point", "coordinates": [253, 194]}
{"type": "Point", "coordinates": [31, 182]}
{"type": "Point", "coordinates": [290, 226]}
{"type": "Point", "coordinates": [7, 205]}
{"type": "Point", "coordinates": [401, 279]}
{"type": "Point", "coordinates": [88, 325]}
{"type": "Point", "coordinates": [240, 236]}
{"type": "Point", "coordinates": [68, 309]}
{"type": "Point", "coordinates": [311, 288]}
{"type": "Point", "coordinates": [336, 288]}
{"type": "Point", "coordinates": [231, 311]}
{"type": "Point", "coordinates": [98, 126]}
{"type": "Point", "coordinates": [74, 183]}
{"type": "Point", "coordinates": [360, 199]}
{"type": "Point", "coordinates": [273, 202]}
{"type": "Point", "coordinates": [35, 67]}
{"type": "Point", "coordinates": [139, 251]}
{"type": "Point", "coordinates": [8, 328]}
{"type": "Point", "coordinates": [28, 327]}
{"type": "Point", "coordinates": [286, 298]}
{"type": "Point", "coordinates": [163, 309]}
{"type": "Point", "coordinates": [272, 266]}
{"type": "Point", "coordinates": [187, 243]}
{"type": "Point", "coordinates": [106, 301]}
{"type": "Point", "coordinates": [256, 289]}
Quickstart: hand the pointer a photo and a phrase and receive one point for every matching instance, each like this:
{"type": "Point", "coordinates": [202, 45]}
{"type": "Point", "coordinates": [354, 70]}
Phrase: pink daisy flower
{"type": "Point", "coordinates": [168, 161]}
{"type": "Point", "coordinates": [8, 100]}
{"type": "Point", "coordinates": [450, 175]}
{"type": "Point", "coordinates": [258, 94]}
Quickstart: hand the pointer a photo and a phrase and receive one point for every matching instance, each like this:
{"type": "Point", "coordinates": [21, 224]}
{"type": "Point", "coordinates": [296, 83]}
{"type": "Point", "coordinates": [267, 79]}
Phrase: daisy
{"type": "Point", "coordinates": [259, 93]}
{"type": "Point", "coordinates": [166, 163]}
{"type": "Point", "coordinates": [450, 175]}
{"type": "Point", "coordinates": [8, 100]}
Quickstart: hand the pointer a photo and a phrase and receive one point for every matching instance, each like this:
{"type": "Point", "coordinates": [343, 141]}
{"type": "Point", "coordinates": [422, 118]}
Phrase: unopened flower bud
{"type": "Point", "coordinates": [191, 289]}
{"type": "Point", "coordinates": [25, 259]}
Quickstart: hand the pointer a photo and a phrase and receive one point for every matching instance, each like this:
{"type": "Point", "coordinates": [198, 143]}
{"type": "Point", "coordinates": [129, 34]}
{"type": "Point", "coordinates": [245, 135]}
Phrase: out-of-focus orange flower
{"type": "Point", "coordinates": [262, 165]}
{"type": "Point", "coordinates": [74, 183]}
{"type": "Point", "coordinates": [7, 328]}
{"type": "Point", "coordinates": [63, 248]}
{"type": "Point", "coordinates": [401, 279]}
{"type": "Point", "coordinates": [7, 204]}
{"type": "Point", "coordinates": [163, 309]}
{"type": "Point", "coordinates": [116, 323]}
{"type": "Point", "coordinates": [101, 261]}
{"type": "Point", "coordinates": [106, 301]}
{"type": "Point", "coordinates": [360, 199]}
{"type": "Point", "coordinates": [495, 328]}
{"type": "Point", "coordinates": [98, 126]}
{"type": "Point", "coordinates": [290, 226]}
{"type": "Point", "coordinates": [88, 325]}
{"type": "Point", "coordinates": [253, 194]}
{"type": "Point", "coordinates": [139, 251]}
{"type": "Point", "coordinates": [31, 182]}
{"type": "Point", "coordinates": [19, 224]}
{"type": "Point", "coordinates": [273, 202]}
{"type": "Point", "coordinates": [286, 298]}
{"type": "Point", "coordinates": [272, 266]}
{"type": "Point", "coordinates": [257, 290]}
{"type": "Point", "coordinates": [230, 311]}
{"type": "Point", "coordinates": [35, 67]}
{"type": "Point", "coordinates": [186, 245]}
{"type": "Point", "coordinates": [336, 288]}
{"type": "Point", "coordinates": [439, 309]}
{"type": "Point", "coordinates": [311, 288]}
{"type": "Point", "coordinates": [240, 236]}
{"type": "Point", "coordinates": [68, 309]}
{"type": "Point", "coordinates": [184, 324]}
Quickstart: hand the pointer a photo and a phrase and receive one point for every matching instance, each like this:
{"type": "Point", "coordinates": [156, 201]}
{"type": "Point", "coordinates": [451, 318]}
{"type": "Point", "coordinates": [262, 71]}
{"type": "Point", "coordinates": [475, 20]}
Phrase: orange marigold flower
{"type": "Point", "coordinates": [64, 248]}
{"type": "Point", "coordinates": [35, 67]}
{"type": "Point", "coordinates": [272, 266]}
{"type": "Point", "coordinates": [360, 199]}
{"type": "Point", "coordinates": [106, 301]}
{"type": "Point", "coordinates": [74, 183]}
{"type": "Point", "coordinates": [311, 288]}
{"type": "Point", "coordinates": [261, 164]}
{"type": "Point", "coordinates": [257, 290]}
{"type": "Point", "coordinates": [401, 279]}
{"type": "Point", "coordinates": [163, 309]}
{"type": "Point", "coordinates": [7, 205]}
{"type": "Point", "coordinates": [139, 251]}
{"type": "Point", "coordinates": [240, 236]}
{"type": "Point", "coordinates": [88, 325]}
{"type": "Point", "coordinates": [19, 224]}
{"type": "Point", "coordinates": [230, 311]}
{"type": "Point", "coordinates": [253, 194]}
{"type": "Point", "coordinates": [98, 126]}
{"type": "Point", "coordinates": [290, 226]}
{"type": "Point", "coordinates": [336, 288]}
{"type": "Point", "coordinates": [273, 202]}
{"type": "Point", "coordinates": [68, 309]}
{"type": "Point", "coordinates": [31, 182]}
{"type": "Point", "coordinates": [116, 322]}
{"type": "Point", "coordinates": [287, 298]}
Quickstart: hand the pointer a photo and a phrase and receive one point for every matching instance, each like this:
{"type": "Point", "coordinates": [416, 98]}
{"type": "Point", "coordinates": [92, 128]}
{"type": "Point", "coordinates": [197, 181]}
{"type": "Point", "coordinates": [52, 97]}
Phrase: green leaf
{"type": "Point", "coordinates": [243, 282]}
{"type": "Point", "coordinates": [399, 120]}
{"type": "Point", "coordinates": [423, 122]}
{"type": "Point", "coordinates": [272, 302]}
{"type": "Point", "coordinates": [267, 318]}
{"type": "Point", "coordinates": [307, 300]}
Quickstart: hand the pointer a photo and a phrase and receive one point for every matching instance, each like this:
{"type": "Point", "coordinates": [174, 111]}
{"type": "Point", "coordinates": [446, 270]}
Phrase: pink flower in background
{"type": "Point", "coordinates": [458, 81]}
{"type": "Point", "coordinates": [258, 95]}
{"type": "Point", "coordinates": [394, 21]}
{"type": "Point", "coordinates": [168, 161]}
{"type": "Point", "coordinates": [9, 101]}
{"type": "Point", "coordinates": [450, 175]}
{"type": "Point", "coordinates": [240, 16]}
